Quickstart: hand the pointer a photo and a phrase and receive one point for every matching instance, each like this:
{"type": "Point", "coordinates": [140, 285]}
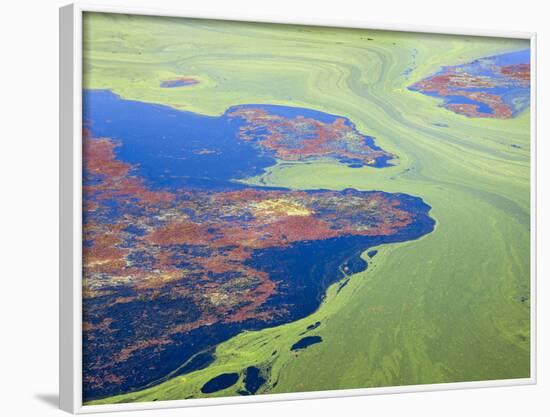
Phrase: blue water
{"type": "Point", "coordinates": [306, 342]}
{"type": "Point", "coordinates": [220, 382]}
{"type": "Point", "coordinates": [171, 148]}
{"type": "Point", "coordinates": [313, 326]}
{"type": "Point", "coordinates": [253, 379]}
{"type": "Point", "coordinates": [512, 58]}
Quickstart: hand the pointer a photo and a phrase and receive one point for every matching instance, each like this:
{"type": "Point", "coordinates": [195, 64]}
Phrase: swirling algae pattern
{"type": "Point", "coordinates": [450, 307]}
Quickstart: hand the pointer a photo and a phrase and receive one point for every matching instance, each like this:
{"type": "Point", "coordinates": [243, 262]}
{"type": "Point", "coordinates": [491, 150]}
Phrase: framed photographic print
{"type": "Point", "coordinates": [268, 210]}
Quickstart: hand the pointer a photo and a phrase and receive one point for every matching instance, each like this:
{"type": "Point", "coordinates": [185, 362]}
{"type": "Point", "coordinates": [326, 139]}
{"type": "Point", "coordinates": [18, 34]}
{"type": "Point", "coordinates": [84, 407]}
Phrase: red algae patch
{"type": "Point", "coordinates": [305, 138]}
{"type": "Point", "coordinates": [494, 87]}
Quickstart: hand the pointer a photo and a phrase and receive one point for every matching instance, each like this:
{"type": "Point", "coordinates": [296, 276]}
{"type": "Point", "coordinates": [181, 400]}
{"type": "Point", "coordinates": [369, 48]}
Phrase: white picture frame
{"type": "Point", "coordinates": [70, 153]}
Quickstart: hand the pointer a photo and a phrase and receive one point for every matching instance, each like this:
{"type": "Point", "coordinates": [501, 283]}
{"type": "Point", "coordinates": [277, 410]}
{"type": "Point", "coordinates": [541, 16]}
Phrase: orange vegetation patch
{"type": "Point", "coordinates": [114, 175]}
{"type": "Point", "coordinates": [179, 233]}
{"type": "Point", "coordinates": [518, 71]}
{"type": "Point", "coordinates": [125, 353]}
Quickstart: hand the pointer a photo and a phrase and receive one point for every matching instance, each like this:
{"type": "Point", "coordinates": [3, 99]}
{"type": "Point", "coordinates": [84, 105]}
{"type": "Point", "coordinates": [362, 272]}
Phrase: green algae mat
{"type": "Point", "coordinates": [280, 209]}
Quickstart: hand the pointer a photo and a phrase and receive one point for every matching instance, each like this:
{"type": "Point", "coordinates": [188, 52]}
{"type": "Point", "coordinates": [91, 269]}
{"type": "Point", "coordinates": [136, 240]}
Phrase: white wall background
{"type": "Point", "coordinates": [29, 193]}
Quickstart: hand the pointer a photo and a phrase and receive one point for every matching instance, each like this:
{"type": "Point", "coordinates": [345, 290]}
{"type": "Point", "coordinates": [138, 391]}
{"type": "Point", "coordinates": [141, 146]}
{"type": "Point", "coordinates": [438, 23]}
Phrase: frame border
{"type": "Point", "coordinates": [70, 208]}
